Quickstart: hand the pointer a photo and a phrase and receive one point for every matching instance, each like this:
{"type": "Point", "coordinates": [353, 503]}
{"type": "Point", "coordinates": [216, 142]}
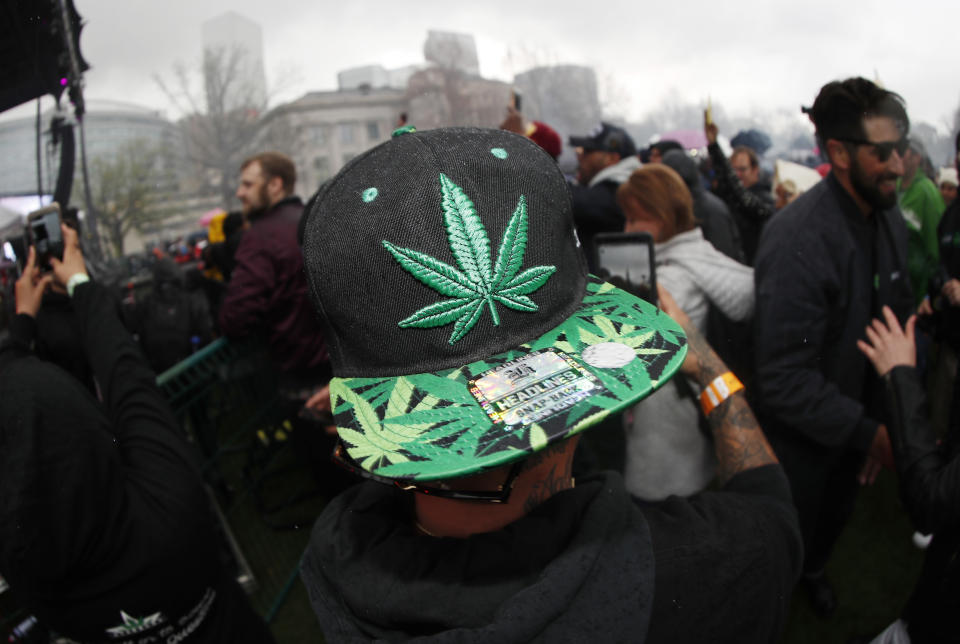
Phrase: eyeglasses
{"type": "Point", "coordinates": [439, 489]}
{"type": "Point", "coordinates": [884, 148]}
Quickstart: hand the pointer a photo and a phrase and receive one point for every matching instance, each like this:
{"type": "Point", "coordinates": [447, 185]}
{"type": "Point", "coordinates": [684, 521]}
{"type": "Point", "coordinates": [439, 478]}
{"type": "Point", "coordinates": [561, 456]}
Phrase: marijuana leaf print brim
{"type": "Point", "coordinates": [612, 352]}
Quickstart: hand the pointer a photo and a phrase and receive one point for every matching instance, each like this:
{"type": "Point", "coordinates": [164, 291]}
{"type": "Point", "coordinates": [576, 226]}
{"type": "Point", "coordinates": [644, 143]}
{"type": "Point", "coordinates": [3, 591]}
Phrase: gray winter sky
{"type": "Point", "coordinates": [745, 54]}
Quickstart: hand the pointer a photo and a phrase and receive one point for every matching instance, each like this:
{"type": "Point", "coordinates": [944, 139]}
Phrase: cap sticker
{"type": "Point", "coordinates": [370, 194]}
{"type": "Point", "coordinates": [476, 283]}
{"type": "Point", "coordinates": [500, 153]}
{"type": "Point", "coordinates": [532, 388]}
{"type": "Point", "coordinates": [608, 355]}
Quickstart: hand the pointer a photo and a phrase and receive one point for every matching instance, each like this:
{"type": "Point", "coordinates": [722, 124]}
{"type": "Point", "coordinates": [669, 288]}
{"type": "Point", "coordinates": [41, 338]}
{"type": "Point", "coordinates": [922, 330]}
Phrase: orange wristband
{"type": "Point", "coordinates": [722, 387]}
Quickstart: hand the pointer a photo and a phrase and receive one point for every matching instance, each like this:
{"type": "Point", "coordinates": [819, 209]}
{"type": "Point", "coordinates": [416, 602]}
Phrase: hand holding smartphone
{"type": "Point", "coordinates": [44, 234]}
{"type": "Point", "coordinates": [626, 260]}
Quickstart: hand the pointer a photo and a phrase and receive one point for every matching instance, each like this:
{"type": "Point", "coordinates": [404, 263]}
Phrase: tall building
{"type": "Point", "coordinates": [234, 73]}
{"type": "Point", "coordinates": [564, 97]}
{"type": "Point", "coordinates": [375, 77]}
{"type": "Point", "coordinates": [452, 51]}
{"type": "Point", "coordinates": [321, 131]}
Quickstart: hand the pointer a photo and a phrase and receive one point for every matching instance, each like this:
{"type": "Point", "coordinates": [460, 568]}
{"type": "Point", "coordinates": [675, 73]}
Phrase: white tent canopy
{"type": "Point", "coordinates": [11, 222]}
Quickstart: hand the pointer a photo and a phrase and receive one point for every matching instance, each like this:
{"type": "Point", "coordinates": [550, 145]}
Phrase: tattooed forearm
{"type": "Point", "coordinates": [706, 364]}
{"type": "Point", "coordinates": [739, 441]}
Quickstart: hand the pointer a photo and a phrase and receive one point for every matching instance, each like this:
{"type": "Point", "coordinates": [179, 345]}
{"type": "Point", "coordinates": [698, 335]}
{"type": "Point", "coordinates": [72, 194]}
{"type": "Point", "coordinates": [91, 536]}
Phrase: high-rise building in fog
{"type": "Point", "coordinates": [233, 62]}
{"type": "Point", "coordinates": [452, 51]}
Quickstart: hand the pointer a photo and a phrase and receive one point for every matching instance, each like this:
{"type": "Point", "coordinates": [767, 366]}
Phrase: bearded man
{"type": "Point", "coordinates": [826, 266]}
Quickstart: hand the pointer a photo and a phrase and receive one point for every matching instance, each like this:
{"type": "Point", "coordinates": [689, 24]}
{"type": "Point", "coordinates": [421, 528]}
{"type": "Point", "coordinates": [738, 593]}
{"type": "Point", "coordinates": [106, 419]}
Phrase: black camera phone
{"type": "Point", "coordinates": [626, 260]}
{"type": "Point", "coordinates": [44, 234]}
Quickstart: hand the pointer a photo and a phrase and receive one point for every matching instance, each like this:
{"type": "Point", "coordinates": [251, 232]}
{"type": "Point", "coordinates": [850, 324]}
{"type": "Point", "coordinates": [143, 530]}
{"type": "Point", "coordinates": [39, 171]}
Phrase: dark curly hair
{"type": "Point", "coordinates": [841, 106]}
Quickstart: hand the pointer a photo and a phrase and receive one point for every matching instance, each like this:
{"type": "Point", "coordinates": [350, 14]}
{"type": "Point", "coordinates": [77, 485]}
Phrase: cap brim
{"type": "Point", "coordinates": [585, 142]}
{"type": "Point", "coordinates": [457, 422]}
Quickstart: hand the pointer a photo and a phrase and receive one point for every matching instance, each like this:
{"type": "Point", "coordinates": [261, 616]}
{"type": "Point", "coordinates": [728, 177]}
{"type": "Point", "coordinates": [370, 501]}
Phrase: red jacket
{"type": "Point", "coordinates": [268, 291]}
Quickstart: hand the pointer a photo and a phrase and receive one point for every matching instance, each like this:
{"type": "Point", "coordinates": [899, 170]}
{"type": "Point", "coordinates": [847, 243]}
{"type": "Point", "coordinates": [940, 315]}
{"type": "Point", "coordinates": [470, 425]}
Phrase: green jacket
{"type": "Point", "coordinates": [922, 207]}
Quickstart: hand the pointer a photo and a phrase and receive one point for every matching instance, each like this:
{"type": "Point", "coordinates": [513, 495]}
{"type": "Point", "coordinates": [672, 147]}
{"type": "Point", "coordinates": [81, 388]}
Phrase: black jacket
{"type": "Point", "coordinates": [751, 208]}
{"type": "Point", "coordinates": [595, 210]}
{"type": "Point", "coordinates": [948, 234]}
{"type": "Point", "coordinates": [711, 213]}
{"type": "Point", "coordinates": [103, 509]}
{"type": "Point", "coordinates": [930, 489]}
{"type": "Point", "coordinates": [589, 564]}
{"type": "Point", "coordinates": [823, 272]}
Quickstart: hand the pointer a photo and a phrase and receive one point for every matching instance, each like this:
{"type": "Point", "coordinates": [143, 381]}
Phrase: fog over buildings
{"type": "Point", "coordinates": [450, 83]}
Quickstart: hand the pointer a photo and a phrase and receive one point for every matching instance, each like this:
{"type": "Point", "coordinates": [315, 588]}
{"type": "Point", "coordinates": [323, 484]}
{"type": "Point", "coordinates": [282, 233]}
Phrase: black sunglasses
{"type": "Point", "coordinates": [885, 148]}
{"type": "Point", "coordinates": [439, 488]}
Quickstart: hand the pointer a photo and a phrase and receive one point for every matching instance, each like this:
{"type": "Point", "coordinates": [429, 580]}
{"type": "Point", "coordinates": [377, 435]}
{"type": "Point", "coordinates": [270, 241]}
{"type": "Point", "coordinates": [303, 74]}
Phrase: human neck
{"type": "Point", "coordinates": [908, 179]}
{"type": "Point", "coordinates": [862, 205]}
{"type": "Point", "coordinates": [543, 476]}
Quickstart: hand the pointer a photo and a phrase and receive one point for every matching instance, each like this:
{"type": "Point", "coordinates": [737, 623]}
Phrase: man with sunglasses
{"type": "Point", "coordinates": [470, 349]}
{"type": "Point", "coordinates": [826, 266]}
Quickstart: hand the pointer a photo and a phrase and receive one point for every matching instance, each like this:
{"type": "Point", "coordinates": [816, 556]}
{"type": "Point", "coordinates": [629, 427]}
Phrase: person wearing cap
{"type": "Point", "coordinates": [106, 532]}
{"type": "Point", "coordinates": [922, 206]}
{"type": "Point", "coordinates": [656, 151]}
{"type": "Point", "coordinates": [471, 349]}
{"type": "Point", "coordinates": [826, 264]}
{"type": "Point", "coordinates": [947, 180]}
{"type": "Point", "coordinates": [605, 159]}
{"type": "Point", "coordinates": [738, 185]}
{"type": "Point", "coordinates": [537, 131]}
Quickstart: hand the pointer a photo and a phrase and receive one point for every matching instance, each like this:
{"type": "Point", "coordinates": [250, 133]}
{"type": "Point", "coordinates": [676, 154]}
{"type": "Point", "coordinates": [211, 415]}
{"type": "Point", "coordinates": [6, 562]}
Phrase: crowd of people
{"type": "Point", "coordinates": [435, 307]}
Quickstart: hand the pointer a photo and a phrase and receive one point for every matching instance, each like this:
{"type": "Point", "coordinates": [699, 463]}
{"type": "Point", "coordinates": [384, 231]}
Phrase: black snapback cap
{"type": "Point", "coordinates": [463, 329]}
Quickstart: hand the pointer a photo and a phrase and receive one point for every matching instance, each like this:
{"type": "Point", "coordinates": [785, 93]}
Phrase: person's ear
{"type": "Point", "coordinates": [839, 154]}
{"type": "Point", "coordinates": [275, 186]}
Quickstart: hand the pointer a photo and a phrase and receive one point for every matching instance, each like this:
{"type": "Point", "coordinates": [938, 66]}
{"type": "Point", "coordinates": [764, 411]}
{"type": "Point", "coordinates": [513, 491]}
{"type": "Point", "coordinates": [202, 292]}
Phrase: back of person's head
{"type": "Point", "coordinates": [685, 166]}
{"type": "Point", "coordinates": [60, 473]}
{"type": "Point", "coordinates": [232, 223]}
{"type": "Point", "coordinates": [750, 152]}
{"type": "Point", "coordinates": [841, 107]}
{"type": "Point", "coordinates": [275, 164]}
{"type": "Point", "coordinates": [660, 191]}
{"type": "Point", "coordinates": [459, 313]}
{"type": "Point", "coordinates": [167, 276]}
{"type": "Point", "coordinates": [547, 138]}
{"type": "Point", "coordinates": [666, 146]}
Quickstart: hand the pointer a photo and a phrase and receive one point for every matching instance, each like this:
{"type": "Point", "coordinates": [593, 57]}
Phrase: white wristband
{"type": "Point", "coordinates": [76, 280]}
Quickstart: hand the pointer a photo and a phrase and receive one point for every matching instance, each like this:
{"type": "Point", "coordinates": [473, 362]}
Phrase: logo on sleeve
{"type": "Point", "coordinates": [133, 625]}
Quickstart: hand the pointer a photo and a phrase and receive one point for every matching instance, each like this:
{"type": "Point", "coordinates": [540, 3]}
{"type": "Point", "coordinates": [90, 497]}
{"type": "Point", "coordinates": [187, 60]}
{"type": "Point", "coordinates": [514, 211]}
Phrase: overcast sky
{"type": "Point", "coordinates": [742, 53]}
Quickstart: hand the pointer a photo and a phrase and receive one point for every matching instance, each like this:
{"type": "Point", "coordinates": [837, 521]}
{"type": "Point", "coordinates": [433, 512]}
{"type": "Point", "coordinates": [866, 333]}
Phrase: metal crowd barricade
{"type": "Point", "coordinates": [225, 396]}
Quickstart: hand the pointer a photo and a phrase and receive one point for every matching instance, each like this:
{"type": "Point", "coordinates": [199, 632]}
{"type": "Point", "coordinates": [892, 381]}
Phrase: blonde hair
{"type": "Point", "coordinates": [660, 191]}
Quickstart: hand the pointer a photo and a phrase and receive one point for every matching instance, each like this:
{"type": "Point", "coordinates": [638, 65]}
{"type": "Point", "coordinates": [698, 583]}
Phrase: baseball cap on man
{"type": "Point", "coordinates": [608, 138]}
{"type": "Point", "coordinates": [463, 328]}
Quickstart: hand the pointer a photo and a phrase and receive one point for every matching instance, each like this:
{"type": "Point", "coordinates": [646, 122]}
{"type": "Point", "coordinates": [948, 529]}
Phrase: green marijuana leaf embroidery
{"type": "Point", "coordinates": [476, 283]}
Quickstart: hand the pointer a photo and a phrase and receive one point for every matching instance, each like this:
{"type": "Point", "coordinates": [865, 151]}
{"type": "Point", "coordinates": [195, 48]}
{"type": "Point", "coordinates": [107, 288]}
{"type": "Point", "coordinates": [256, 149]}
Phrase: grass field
{"type": "Point", "coordinates": [873, 570]}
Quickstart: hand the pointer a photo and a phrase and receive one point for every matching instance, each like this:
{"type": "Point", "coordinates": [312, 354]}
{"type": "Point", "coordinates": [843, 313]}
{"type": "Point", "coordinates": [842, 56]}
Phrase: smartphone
{"type": "Point", "coordinates": [626, 260]}
{"type": "Point", "coordinates": [516, 98]}
{"type": "Point", "coordinates": [44, 234]}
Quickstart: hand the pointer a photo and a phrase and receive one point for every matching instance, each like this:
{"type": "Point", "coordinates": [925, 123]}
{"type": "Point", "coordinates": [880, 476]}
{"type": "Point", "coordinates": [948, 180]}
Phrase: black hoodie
{"type": "Point", "coordinates": [589, 564]}
{"type": "Point", "coordinates": [105, 531]}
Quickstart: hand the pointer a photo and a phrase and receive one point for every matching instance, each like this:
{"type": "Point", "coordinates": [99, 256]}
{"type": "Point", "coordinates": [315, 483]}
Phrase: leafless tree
{"type": "Point", "coordinates": [124, 190]}
{"type": "Point", "coordinates": [218, 130]}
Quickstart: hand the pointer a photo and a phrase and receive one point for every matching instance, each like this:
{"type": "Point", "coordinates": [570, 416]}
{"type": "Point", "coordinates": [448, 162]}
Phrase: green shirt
{"type": "Point", "coordinates": [922, 207]}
